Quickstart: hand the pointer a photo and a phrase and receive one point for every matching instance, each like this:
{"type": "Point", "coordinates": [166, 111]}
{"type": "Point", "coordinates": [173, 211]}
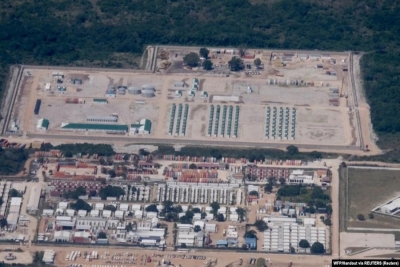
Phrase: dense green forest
{"type": "Point", "coordinates": [12, 160]}
{"type": "Point", "coordinates": [70, 150]}
{"type": "Point", "coordinates": [251, 154]}
{"type": "Point", "coordinates": [113, 34]}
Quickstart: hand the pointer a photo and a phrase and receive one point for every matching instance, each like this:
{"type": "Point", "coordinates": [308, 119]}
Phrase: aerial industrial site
{"type": "Point", "coordinates": [140, 206]}
{"type": "Point", "coordinates": [302, 98]}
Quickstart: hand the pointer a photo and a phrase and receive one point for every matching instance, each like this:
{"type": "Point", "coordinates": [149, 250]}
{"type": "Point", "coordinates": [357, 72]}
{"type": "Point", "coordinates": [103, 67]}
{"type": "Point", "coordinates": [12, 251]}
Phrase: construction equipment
{"type": "Point", "coordinates": [10, 257]}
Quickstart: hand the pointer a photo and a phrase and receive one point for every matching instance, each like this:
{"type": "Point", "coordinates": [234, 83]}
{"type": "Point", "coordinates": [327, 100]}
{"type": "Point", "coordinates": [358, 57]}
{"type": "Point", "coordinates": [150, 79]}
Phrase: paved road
{"type": "Point", "coordinates": [138, 140]}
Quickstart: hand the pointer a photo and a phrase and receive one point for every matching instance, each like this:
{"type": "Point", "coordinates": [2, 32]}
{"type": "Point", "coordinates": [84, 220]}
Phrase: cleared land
{"type": "Point", "coordinates": [317, 123]}
{"type": "Point", "coordinates": [367, 189]}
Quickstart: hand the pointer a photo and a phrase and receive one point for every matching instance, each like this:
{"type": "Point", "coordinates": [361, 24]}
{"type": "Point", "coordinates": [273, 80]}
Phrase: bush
{"type": "Point", "coordinates": [81, 205]}
{"type": "Point", "coordinates": [261, 262]}
{"type": "Point", "coordinates": [12, 160]}
{"type": "Point", "coordinates": [261, 225]}
{"type": "Point", "coordinates": [102, 235]}
{"type": "Point", "coordinates": [328, 222]}
{"type": "Point", "coordinates": [317, 248]}
{"type": "Point", "coordinates": [360, 217]}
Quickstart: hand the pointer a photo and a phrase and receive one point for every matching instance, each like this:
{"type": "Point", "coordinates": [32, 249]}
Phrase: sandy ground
{"type": "Point", "coordinates": [223, 258]}
{"type": "Point", "coordinates": [317, 122]}
{"type": "Point", "coordinates": [22, 257]}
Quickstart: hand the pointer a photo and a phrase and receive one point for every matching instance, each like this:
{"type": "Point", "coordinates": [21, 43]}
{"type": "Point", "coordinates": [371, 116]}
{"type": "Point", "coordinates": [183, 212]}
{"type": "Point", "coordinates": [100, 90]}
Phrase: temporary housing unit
{"type": "Point", "coordinates": [210, 228]}
{"type": "Point", "coordinates": [298, 177]}
{"type": "Point", "coordinates": [65, 221]}
{"type": "Point", "coordinates": [186, 238]}
{"type": "Point", "coordinates": [48, 212]}
{"type": "Point", "coordinates": [106, 213]}
{"type": "Point", "coordinates": [62, 236]}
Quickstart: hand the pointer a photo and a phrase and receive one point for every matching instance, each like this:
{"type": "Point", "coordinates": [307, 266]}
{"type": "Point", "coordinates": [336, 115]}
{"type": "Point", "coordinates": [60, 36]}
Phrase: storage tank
{"type": "Point", "coordinates": [148, 93]}
{"type": "Point", "coordinates": [134, 90]}
{"type": "Point", "coordinates": [148, 87]}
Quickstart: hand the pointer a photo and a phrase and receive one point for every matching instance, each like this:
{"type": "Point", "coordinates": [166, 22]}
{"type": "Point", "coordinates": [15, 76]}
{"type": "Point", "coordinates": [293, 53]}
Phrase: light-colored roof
{"type": "Point", "coordinates": [124, 207]}
{"type": "Point", "coordinates": [94, 213]}
{"type": "Point", "coordinates": [119, 213]}
{"type": "Point", "coordinates": [63, 205]}
{"type": "Point", "coordinates": [393, 205]}
{"type": "Point", "coordinates": [13, 218]}
{"type": "Point", "coordinates": [19, 186]}
{"type": "Point", "coordinates": [34, 197]}
{"type": "Point", "coordinates": [82, 234]}
{"type": "Point", "coordinates": [62, 234]}
{"type": "Point", "coordinates": [106, 213]}
{"type": "Point", "coordinates": [144, 124]}
{"type": "Point", "coordinates": [16, 201]}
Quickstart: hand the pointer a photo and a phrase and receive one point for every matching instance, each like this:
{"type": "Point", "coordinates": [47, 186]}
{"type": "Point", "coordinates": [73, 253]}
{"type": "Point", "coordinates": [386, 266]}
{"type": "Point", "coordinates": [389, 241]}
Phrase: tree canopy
{"type": "Point", "coordinates": [236, 64]}
{"type": "Point", "coordinates": [12, 160]}
{"type": "Point", "coordinates": [317, 248]}
{"type": "Point", "coordinates": [85, 148]}
{"type": "Point", "coordinates": [261, 225]}
{"type": "Point", "coordinates": [111, 191]}
{"type": "Point", "coordinates": [204, 52]}
{"type": "Point", "coordinates": [304, 244]}
{"type": "Point", "coordinates": [81, 205]}
{"type": "Point", "coordinates": [192, 59]}
{"type": "Point", "coordinates": [79, 191]}
{"type": "Point", "coordinates": [98, 34]}
{"type": "Point", "coordinates": [152, 208]}
{"type": "Point", "coordinates": [207, 65]}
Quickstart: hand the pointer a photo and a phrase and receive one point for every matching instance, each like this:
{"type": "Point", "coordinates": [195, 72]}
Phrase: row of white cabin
{"type": "Point", "coordinates": [4, 192]}
{"type": "Point", "coordinates": [13, 212]}
{"type": "Point", "coordinates": [197, 193]}
{"type": "Point", "coordinates": [285, 233]}
{"type": "Point", "coordinates": [100, 206]}
{"type": "Point", "coordinates": [144, 232]}
{"type": "Point", "coordinates": [119, 214]}
{"type": "Point", "coordinates": [48, 256]}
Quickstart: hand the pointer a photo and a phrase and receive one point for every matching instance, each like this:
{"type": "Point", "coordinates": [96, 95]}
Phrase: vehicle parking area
{"type": "Point", "coordinates": [199, 105]}
{"type": "Point", "coordinates": [128, 259]}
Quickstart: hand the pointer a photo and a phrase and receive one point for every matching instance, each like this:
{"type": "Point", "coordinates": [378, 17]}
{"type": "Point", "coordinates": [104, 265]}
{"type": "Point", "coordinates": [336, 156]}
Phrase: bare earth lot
{"type": "Point", "coordinates": [317, 122]}
{"type": "Point", "coordinates": [368, 188]}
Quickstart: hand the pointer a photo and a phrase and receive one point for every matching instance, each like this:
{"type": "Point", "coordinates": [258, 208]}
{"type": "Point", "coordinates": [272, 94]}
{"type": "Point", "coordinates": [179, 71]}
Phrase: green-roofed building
{"type": "Point", "coordinates": [94, 127]}
{"type": "Point", "coordinates": [100, 100]}
{"type": "Point", "coordinates": [42, 124]}
{"type": "Point", "coordinates": [142, 127]}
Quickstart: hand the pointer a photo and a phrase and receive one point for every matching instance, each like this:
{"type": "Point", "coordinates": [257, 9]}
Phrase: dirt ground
{"type": "Point", "coordinates": [22, 257]}
{"type": "Point", "coordinates": [317, 122]}
{"type": "Point", "coordinates": [223, 258]}
{"type": "Point", "coordinates": [366, 240]}
{"type": "Point", "coordinates": [367, 189]}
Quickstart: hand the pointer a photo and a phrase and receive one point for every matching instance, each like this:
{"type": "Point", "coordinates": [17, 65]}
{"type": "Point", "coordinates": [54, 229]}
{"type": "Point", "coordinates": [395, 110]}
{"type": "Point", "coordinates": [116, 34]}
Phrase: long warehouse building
{"type": "Point", "coordinates": [34, 198]}
{"type": "Point", "coordinates": [89, 127]}
{"type": "Point", "coordinates": [102, 118]}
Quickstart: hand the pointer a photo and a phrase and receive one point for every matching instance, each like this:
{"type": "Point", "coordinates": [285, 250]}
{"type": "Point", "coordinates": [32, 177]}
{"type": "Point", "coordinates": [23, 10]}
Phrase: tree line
{"type": "Point", "coordinates": [98, 34]}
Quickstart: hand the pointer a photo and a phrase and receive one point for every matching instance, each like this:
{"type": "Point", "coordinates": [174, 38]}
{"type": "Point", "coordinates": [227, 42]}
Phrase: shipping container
{"type": "Point", "coordinates": [37, 106]}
